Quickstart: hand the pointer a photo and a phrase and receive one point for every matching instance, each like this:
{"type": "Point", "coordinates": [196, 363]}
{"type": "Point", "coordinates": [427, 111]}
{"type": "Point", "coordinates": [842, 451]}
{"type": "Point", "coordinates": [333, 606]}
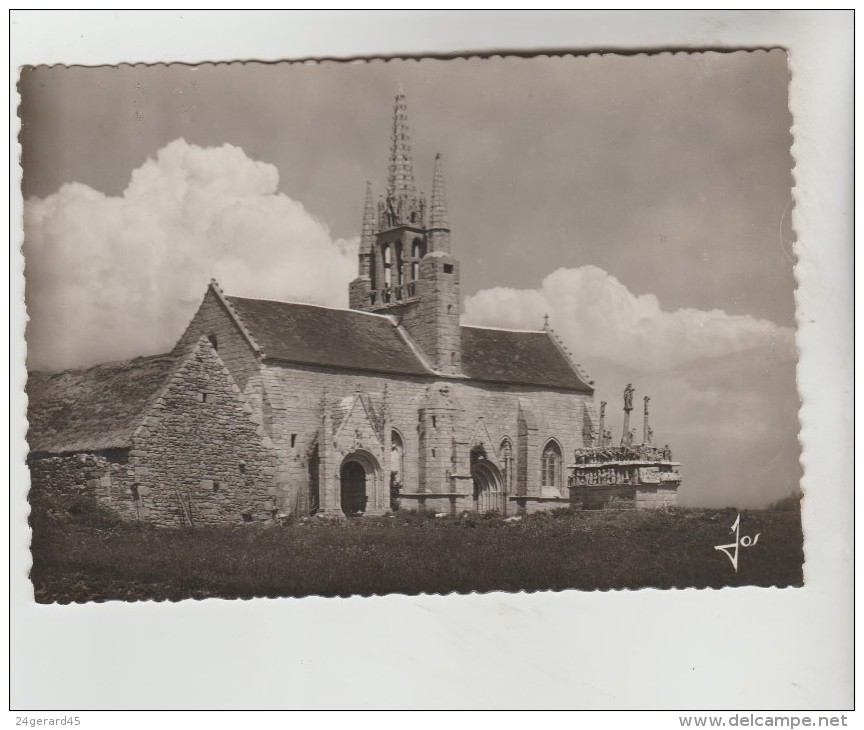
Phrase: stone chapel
{"type": "Point", "coordinates": [390, 404]}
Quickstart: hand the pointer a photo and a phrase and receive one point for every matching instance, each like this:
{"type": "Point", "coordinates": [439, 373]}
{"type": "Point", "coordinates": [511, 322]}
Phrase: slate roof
{"type": "Point", "coordinates": [529, 358]}
{"type": "Point", "coordinates": [95, 408]}
{"type": "Point", "coordinates": [346, 338]}
{"type": "Point", "coordinates": [313, 335]}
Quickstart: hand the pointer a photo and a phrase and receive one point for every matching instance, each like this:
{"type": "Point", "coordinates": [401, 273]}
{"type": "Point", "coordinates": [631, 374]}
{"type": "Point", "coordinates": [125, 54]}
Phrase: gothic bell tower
{"type": "Point", "coordinates": [406, 268]}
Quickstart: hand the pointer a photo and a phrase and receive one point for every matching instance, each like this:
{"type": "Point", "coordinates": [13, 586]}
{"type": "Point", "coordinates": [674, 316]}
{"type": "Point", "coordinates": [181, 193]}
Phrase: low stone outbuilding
{"type": "Point", "coordinates": [167, 439]}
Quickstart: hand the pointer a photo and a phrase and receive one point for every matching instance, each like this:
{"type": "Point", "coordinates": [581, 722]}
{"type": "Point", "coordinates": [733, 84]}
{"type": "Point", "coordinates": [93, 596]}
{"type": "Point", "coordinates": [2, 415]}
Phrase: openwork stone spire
{"type": "Point", "coordinates": [400, 175]}
{"type": "Point", "coordinates": [438, 205]}
{"type": "Point", "coordinates": [402, 206]}
{"type": "Point", "coordinates": [367, 236]}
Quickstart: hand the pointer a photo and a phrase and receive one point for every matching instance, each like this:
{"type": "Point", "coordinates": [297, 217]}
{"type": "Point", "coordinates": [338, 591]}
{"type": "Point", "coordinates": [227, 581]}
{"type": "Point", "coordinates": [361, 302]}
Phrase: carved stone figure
{"type": "Point", "coordinates": [628, 397]}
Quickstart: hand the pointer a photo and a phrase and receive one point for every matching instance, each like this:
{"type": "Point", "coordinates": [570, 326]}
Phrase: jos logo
{"type": "Point", "coordinates": [731, 549]}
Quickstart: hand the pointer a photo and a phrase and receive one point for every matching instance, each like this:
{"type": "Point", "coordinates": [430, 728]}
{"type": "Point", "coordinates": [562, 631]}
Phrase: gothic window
{"type": "Point", "coordinates": [397, 464]}
{"type": "Point", "coordinates": [388, 265]}
{"type": "Point", "coordinates": [213, 341]}
{"type": "Point", "coordinates": [506, 452]}
{"type": "Point", "coordinates": [397, 458]}
{"type": "Point", "coordinates": [552, 465]}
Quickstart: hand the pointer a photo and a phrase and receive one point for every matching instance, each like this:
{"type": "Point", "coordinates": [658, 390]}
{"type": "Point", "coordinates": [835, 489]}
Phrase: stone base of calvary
{"type": "Point", "coordinates": [630, 475]}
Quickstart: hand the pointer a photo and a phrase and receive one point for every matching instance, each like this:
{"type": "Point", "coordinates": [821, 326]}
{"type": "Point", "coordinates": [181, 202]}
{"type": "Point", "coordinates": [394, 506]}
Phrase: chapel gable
{"type": "Point", "coordinates": [223, 326]}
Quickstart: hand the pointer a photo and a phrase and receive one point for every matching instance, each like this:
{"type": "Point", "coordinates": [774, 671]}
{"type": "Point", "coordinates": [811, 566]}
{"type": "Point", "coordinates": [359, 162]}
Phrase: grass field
{"type": "Point", "coordinates": [95, 558]}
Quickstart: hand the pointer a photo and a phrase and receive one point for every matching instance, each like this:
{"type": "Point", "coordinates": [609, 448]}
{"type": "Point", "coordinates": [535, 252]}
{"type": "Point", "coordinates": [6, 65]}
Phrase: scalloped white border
{"type": "Point", "coordinates": [734, 649]}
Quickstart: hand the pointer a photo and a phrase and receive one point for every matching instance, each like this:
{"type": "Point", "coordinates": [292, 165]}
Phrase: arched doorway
{"type": "Point", "coordinates": [489, 495]}
{"type": "Point", "coordinates": [353, 480]}
{"type": "Point", "coordinates": [359, 482]}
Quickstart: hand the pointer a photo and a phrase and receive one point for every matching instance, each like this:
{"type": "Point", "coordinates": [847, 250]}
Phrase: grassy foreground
{"type": "Point", "coordinates": [92, 557]}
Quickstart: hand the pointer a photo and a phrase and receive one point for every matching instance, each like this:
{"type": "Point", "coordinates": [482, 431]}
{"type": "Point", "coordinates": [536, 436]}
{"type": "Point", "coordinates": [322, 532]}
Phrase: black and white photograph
{"type": "Point", "coordinates": [412, 326]}
{"type": "Point", "coordinates": [422, 326]}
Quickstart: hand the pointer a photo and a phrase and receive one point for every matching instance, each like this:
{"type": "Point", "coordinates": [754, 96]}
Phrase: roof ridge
{"type": "Point", "coordinates": [107, 403]}
{"type": "Point", "coordinates": [502, 329]}
{"type": "Point", "coordinates": [388, 317]}
{"type": "Point", "coordinates": [103, 365]}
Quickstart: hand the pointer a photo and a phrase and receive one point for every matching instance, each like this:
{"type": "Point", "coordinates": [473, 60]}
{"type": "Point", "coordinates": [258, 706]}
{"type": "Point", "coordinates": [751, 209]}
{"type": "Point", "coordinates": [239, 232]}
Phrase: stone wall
{"type": "Point", "coordinates": [433, 320]}
{"type": "Point", "coordinates": [540, 504]}
{"type": "Point", "coordinates": [201, 456]}
{"type": "Point", "coordinates": [293, 393]}
{"type": "Point", "coordinates": [287, 398]}
{"type": "Point", "coordinates": [105, 477]}
{"type": "Point", "coordinates": [623, 497]}
{"type": "Point", "coordinates": [654, 497]}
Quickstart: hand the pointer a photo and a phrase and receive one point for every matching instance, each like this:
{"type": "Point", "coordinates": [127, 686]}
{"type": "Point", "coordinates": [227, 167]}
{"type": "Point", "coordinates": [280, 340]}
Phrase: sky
{"type": "Point", "coordinates": [643, 202]}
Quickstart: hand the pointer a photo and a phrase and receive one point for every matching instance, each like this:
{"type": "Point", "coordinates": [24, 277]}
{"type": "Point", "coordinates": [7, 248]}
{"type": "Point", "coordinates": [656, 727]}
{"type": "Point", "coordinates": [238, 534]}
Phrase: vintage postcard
{"type": "Point", "coordinates": [532, 316]}
{"type": "Point", "coordinates": [414, 327]}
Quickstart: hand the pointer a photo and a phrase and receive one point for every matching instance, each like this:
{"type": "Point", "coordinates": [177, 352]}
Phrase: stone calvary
{"type": "Point", "coordinates": [266, 409]}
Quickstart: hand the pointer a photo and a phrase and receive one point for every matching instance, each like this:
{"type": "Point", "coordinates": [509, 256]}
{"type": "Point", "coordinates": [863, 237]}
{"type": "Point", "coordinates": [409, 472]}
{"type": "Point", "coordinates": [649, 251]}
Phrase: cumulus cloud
{"type": "Point", "coordinates": [599, 317]}
{"type": "Point", "coordinates": [722, 386]}
{"type": "Point", "coordinates": [114, 277]}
